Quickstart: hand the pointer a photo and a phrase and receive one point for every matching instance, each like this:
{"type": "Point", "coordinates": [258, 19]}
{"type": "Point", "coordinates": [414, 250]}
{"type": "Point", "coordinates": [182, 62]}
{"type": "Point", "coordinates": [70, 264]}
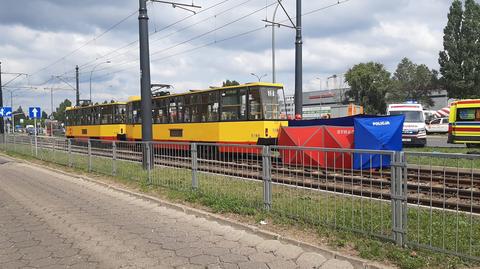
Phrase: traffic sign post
{"type": "Point", "coordinates": [35, 113]}
{"type": "Point", "coordinates": [5, 112]}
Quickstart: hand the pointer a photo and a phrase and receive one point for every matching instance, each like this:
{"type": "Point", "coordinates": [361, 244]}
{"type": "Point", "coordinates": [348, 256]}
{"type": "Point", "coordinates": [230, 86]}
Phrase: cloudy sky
{"type": "Point", "coordinates": [226, 39]}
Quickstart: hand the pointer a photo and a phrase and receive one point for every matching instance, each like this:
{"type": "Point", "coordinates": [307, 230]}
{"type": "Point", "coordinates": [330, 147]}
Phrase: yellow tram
{"type": "Point", "coordinates": [104, 122]}
{"type": "Point", "coordinates": [243, 114]}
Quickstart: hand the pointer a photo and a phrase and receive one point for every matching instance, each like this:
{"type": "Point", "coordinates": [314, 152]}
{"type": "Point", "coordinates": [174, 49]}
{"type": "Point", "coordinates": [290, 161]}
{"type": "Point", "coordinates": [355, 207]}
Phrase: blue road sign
{"type": "Point", "coordinates": [34, 112]}
{"type": "Point", "coordinates": [6, 112]}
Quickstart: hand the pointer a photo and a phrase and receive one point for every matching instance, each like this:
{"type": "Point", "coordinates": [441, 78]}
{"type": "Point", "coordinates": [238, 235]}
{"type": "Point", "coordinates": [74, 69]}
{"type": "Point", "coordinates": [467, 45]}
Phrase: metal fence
{"type": "Point", "coordinates": [425, 200]}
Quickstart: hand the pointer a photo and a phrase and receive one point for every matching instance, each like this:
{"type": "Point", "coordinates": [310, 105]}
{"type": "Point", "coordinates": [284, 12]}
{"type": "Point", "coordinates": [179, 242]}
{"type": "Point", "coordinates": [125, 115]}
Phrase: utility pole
{"type": "Point", "coordinates": [298, 63]}
{"type": "Point", "coordinates": [78, 87]}
{"type": "Point", "coordinates": [1, 100]}
{"type": "Point", "coordinates": [298, 54]}
{"type": "Point", "coordinates": [145, 81]}
{"type": "Point", "coordinates": [51, 115]}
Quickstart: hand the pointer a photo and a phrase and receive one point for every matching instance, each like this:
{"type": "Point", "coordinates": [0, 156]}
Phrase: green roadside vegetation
{"type": "Point", "coordinates": [345, 223]}
{"type": "Point", "coordinates": [440, 161]}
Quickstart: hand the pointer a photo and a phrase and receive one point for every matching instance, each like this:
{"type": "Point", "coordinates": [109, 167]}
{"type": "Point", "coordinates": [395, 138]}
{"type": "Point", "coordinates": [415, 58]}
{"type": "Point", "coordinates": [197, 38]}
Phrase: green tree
{"type": "Point", "coordinates": [413, 82]}
{"type": "Point", "coordinates": [228, 83]}
{"type": "Point", "coordinates": [460, 59]}
{"type": "Point", "coordinates": [59, 114]}
{"type": "Point", "coordinates": [44, 115]}
{"type": "Point", "coordinates": [19, 114]}
{"type": "Point", "coordinates": [369, 83]}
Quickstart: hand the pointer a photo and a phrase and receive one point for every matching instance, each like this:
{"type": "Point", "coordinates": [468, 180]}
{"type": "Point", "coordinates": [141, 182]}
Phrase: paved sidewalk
{"type": "Point", "coordinates": [50, 220]}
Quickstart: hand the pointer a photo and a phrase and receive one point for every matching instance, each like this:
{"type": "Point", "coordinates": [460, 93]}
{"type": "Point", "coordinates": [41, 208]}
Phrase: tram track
{"type": "Point", "coordinates": [453, 190]}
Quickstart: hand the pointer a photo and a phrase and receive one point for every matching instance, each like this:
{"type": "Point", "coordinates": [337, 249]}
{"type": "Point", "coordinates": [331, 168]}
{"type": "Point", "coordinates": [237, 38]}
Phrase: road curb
{"type": "Point", "coordinates": [329, 254]}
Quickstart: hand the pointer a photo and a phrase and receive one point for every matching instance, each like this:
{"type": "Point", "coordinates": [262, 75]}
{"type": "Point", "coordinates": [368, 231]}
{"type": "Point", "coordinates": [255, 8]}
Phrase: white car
{"type": "Point", "coordinates": [437, 126]}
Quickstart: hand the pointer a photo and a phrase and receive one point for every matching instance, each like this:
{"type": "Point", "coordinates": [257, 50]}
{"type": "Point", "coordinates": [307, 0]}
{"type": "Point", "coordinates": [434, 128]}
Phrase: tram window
{"type": "Point", "coordinates": [201, 107]}
{"type": "Point", "coordinates": [156, 117]}
{"type": "Point", "coordinates": [187, 114]}
{"type": "Point", "coordinates": [194, 108]}
{"type": "Point", "coordinates": [106, 114]}
{"type": "Point", "coordinates": [73, 120]}
{"type": "Point", "coordinates": [67, 118]}
{"type": "Point", "coordinates": [164, 110]}
{"type": "Point", "coordinates": [264, 103]}
{"type": "Point", "coordinates": [234, 105]}
{"type": "Point", "coordinates": [172, 111]}
{"type": "Point", "coordinates": [159, 111]}
{"type": "Point", "coordinates": [129, 113]}
{"type": "Point", "coordinates": [271, 107]}
{"type": "Point", "coordinates": [213, 106]}
{"type": "Point", "coordinates": [96, 115]}
{"type": "Point", "coordinates": [138, 113]}
{"type": "Point", "coordinates": [119, 114]}
{"type": "Point", "coordinates": [254, 101]}
{"type": "Point", "coordinates": [180, 107]}
{"type": "Point", "coordinates": [85, 116]}
{"type": "Point", "coordinates": [134, 113]}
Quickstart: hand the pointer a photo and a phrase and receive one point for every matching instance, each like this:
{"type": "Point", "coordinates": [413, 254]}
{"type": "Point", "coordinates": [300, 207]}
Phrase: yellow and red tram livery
{"type": "Point", "coordinates": [103, 122]}
{"type": "Point", "coordinates": [244, 114]}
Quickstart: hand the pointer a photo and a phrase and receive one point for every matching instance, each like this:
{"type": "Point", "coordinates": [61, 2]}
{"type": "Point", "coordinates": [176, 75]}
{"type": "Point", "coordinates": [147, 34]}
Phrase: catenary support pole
{"type": "Point", "coordinates": [298, 63]}
{"type": "Point", "coordinates": [145, 82]}
{"type": "Point", "coordinates": [77, 88]}
{"type": "Point", "coordinates": [2, 123]}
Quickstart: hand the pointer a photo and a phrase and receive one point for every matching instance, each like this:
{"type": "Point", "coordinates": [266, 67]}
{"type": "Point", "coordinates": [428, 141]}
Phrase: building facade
{"type": "Point", "coordinates": [316, 103]}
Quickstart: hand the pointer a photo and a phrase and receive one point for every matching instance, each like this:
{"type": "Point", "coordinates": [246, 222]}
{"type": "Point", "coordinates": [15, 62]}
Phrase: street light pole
{"type": "Point", "coordinates": [91, 73]}
{"type": "Point", "coordinates": [274, 75]}
{"type": "Point", "coordinates": [319, 84]}
{"type": "Point", "coordinates": [258, 77]}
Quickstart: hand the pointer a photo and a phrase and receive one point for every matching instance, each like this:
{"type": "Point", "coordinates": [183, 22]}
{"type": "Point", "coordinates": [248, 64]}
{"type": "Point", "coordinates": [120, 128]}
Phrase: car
{"type": "Point", "coordinates": [437, 126]}
{"type": "Point", "coordinates": [31, 131]}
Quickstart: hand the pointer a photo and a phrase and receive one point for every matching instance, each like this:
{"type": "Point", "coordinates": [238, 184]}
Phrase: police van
{"type": "Point", "coordinates": [414, 132]}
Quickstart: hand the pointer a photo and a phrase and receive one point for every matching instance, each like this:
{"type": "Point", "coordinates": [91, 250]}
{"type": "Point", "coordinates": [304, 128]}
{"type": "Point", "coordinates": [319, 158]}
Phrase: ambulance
{"type": "Point", "coordinates": [414, 132]}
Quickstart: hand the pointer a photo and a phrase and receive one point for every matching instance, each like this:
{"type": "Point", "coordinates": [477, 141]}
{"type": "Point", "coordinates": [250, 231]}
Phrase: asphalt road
{"type": "Point", "coordinates": [441, 141]}
{"type": "Point", "coordinates": [50, 220]}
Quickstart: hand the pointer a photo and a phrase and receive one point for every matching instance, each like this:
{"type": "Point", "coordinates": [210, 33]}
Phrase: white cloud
{"type": "Point", "coordinates": [335, 39]}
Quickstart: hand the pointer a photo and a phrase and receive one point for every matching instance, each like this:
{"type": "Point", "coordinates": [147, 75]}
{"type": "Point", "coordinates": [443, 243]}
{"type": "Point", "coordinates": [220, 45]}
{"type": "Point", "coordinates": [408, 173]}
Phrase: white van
{"type": "Point", "coordinates": [414, 132]}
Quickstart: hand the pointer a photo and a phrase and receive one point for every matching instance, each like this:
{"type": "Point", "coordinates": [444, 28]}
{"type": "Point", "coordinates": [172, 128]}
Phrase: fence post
{"type": "Point", "coordinates": [267, 178]}
{"type": "Point", "coordinates": [114, 159]}
{"type": "Point", "coordinates": [54, 144]}
{"type": "Point", "coordinates": [398, 198]}
{"type": "Point", "coordinates": [194, 153]}
{"type": "Point", "coordinates": [149, 162]}
{"type": "Point", "coordinates": [89, 144]}
{"type": "Point", "coordinates": [15, 145]}
{"type": "Point", "coordinates": [404, 191]}
{"type": "Point", "coordinates": [69, 152]}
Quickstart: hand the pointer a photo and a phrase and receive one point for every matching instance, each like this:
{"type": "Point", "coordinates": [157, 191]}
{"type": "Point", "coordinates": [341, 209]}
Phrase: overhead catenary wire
{"type": "Point", "coordinates": [198, 36]}
{"type": "Point", "coordinates": [86, 43]}
{"type": "Point", "coordinates": [210, 43]}
{"type": "Point", "coordinates": [152, 41]}
{"type": "Point", "coordinates": [151, 34]}
{"type": "Point", "coordinates": [119, 54]}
